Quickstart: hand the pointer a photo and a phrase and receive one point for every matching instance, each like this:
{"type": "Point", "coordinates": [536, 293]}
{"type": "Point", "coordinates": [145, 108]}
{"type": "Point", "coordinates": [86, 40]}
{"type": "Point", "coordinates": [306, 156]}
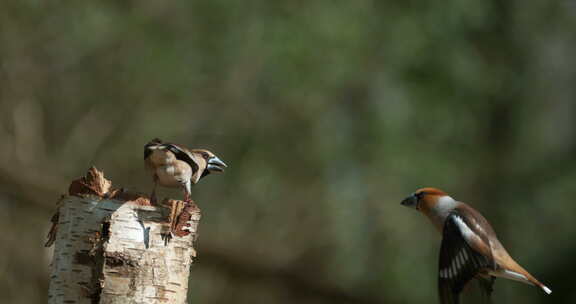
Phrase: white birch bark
{"type": "Point", "coordinates": [112, 251]}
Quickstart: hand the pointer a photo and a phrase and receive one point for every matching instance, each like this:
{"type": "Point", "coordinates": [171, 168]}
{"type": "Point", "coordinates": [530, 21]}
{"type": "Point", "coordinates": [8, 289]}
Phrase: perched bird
{"type": "Point", "coordinates": [470, 248]}
{"type": "Point", "coordinates": [177, 167]}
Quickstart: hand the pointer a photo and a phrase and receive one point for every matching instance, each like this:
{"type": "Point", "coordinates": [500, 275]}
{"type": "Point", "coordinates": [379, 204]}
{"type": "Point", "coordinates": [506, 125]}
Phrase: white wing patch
{"type": "Point", "coordinates": [460, 259]}
{"type": "Point", "coordinates": [457, 263]}
{"type": "Point", "coordinates": [465, 254]}
{"type": "Point", "coordinates": [466, 231]}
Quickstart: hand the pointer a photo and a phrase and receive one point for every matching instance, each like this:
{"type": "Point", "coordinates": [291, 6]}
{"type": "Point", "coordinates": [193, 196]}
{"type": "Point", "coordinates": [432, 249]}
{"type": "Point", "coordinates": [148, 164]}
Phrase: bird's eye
{"type": "Point", "coordinates": [419, 195]}
{"type": "Point", "coordinates": [205, 155]}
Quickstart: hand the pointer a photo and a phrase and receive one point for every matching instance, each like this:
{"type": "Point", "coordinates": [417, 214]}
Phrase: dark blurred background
{"type": "Point", "coordinates": [328, 113]}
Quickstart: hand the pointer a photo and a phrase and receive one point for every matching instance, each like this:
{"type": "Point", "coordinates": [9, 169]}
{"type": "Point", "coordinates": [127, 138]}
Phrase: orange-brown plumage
{"type": "Point", "coordinates": [470, 247]}
{"type": "Point", "coordinates": [430, 191]}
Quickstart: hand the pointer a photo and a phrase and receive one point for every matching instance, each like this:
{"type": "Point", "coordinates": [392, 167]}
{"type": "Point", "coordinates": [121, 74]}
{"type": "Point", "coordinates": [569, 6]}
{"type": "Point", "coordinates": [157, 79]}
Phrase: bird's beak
{"type": "Point", "coordinates": [411, 201]}
{"type": "Point", "coordinates": [216, 164]}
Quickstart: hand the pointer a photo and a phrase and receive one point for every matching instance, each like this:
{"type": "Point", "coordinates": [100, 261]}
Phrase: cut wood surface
{"type": "Point", "coordinates": [112, 246]}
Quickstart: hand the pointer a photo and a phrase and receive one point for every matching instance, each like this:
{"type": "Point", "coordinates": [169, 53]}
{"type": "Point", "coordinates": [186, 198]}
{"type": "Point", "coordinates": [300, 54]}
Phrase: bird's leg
{"type": "Point", "coordinates": [187, 198]}
{"type": "Point", "coordinates": [187, 190]}
{"type": "Point", "coordinates": [153, 199]}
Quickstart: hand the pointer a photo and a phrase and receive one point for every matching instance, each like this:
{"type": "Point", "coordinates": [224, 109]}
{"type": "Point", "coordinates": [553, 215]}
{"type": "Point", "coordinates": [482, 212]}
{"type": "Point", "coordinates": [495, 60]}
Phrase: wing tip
{"type": "Point", "coordinates": [546, 289]}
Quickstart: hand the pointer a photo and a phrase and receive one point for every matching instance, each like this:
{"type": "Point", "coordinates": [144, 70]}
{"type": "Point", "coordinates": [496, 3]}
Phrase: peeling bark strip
{"type": "Point", "coordinates": [110, 246]}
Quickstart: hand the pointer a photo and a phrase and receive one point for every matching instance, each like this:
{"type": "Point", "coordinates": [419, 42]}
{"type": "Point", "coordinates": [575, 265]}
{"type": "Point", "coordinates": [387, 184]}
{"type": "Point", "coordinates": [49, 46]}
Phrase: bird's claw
{"type": "Point", "coordinates": [187, 198]}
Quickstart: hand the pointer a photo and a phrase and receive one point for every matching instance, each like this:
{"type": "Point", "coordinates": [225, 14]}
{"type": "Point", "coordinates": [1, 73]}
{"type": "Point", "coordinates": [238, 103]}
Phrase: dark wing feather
{"type": "Point", "coordinates": [153, 142]}
{"type": "Point", "coordinates": [182, 155]}
{"type": "Point", "coordinates": [459, 262]}
{"type": "Point", "coordinates": [485, 284]}
{"type": "Point", "coordinates": [147, 152]}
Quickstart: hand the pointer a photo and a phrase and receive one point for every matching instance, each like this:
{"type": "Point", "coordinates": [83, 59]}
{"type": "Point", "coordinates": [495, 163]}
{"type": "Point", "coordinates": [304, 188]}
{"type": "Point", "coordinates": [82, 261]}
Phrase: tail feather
{"type": "Point", "coordinates": [537, 283]}
{"type": "Point", "coordinates": [523, 276]}
{"type": "Point", "coordinates": [546, 289]}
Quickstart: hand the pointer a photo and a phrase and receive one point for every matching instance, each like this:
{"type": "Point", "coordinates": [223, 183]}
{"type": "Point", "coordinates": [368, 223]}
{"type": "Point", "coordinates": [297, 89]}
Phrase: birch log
{"type": "Point", "coordinates": [111, 246]}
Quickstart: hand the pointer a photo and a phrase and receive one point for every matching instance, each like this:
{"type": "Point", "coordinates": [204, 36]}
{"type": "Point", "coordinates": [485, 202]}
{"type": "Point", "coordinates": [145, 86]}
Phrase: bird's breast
{"type": "Point", "coordinates": [167, 177]}
{"type": "Point", "coordinates": [173, 175]}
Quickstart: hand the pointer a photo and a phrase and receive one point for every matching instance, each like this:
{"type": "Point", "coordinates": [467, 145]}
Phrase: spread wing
{"type": "Point", "coordinates": [182, 155]}
{"type": "Point", "coordinates": [460, 260]}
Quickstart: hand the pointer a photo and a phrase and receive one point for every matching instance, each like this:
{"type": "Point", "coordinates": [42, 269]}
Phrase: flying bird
{"type": "Point", "coordinates": [174, 166]}
{"type": "Point", "coordinates": [470, 248]}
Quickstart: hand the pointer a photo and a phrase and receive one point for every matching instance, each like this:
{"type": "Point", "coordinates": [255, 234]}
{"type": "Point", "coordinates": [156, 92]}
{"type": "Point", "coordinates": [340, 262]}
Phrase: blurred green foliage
{"type": "Point", "coordinates": [328, 114]}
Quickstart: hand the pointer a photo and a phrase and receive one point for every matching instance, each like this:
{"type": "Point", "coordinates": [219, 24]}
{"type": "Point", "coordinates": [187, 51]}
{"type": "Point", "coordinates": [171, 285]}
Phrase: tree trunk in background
{"type": "Point", "coordinates": [114, 247]}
